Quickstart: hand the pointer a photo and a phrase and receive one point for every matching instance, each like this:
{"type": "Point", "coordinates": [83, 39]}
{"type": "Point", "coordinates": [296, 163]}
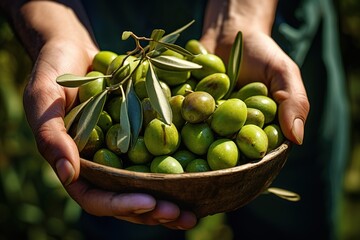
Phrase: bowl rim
{"type": "Point", "coordinates": [286, 145]}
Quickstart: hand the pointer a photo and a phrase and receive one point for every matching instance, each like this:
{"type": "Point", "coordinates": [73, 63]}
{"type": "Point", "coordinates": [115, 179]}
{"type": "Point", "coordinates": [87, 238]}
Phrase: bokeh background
{"type": "Point", "coordinates": [33, 204]}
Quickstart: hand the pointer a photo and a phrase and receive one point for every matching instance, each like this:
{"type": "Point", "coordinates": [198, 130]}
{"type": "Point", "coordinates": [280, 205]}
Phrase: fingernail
{"type": "Point", "coordinates": [298, 130]}
{"type": "Point", "coordinates": [65, 171]}
{"type": "Point", "coordinates": [164, 220]}
{"type": "Point", "coordinates": [180, 228]}
{"type": "Point", "coordinates": [141, 211]}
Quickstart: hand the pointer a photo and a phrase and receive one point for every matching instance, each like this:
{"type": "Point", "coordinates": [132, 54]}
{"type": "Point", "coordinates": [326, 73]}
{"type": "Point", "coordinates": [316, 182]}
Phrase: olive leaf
{"type": "Point", "coordinates": [155, 36]}
{"type": "Point", "coordinates": [120, 74]}
{"type": "Point", "coordinates": [284, 194]}
{"type": "Point", "coordinates": [123, 136]}
{"type": "Point", "coordinates": [74, 113]}
{"type": "Point", "coordinates": [172, 63]}
{"type": "Point", "coordinates": [71, 80]}
{"type": "Point", "coordinates": [176, 48]}
{"type": "Point", "coordinates": [172, 37]}
{"type": "Point", "coordinates": [125, 35]}
{"type": "Point", "coordinates": [157, 97]}
{"type": "Point", "coordinates": [89, 118]}
{"type": "Point", "coordinates": [135, 112]}
{"type": "Point", "coordinates": [235, 58]}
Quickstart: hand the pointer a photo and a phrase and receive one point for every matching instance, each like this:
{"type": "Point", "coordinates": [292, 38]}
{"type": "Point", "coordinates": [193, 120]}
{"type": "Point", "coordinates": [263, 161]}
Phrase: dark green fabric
{"type": "Point", "coordinates": [110, 18]}
{"type": "Point", "coordinates": [307, 30]}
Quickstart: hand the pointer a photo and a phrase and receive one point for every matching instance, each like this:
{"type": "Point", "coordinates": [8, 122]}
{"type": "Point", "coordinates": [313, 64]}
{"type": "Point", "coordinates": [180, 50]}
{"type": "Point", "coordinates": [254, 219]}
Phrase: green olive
{"type": "Point", "coordinates": [166, 164]}
{"type": "Point", "coordinates": [265, 104]}
{"type": "Point", "coordinates": [197, 107]}
{"type": "Point", "coordinates": [160, 138]}
{"type": "Point", "coordinates": [210, 64]}
{"type": "Point", "coordinates": [229, 117]}
{"type": "Point", "coordinates": [223, 153]}
{"type": "Point", "coordinates": [252, 141]}
{"type": "Point", "coordinates": [92, 88]}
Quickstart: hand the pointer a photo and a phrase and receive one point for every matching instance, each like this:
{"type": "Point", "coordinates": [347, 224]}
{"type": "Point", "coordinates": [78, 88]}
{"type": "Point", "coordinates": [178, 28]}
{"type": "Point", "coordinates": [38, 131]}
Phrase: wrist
{"type": "Point", "coordinates": [252, 16]}
{"type": "Point", "coordinates": [239, 15]}
{"type": "Point", "coordinates": [39, 22]}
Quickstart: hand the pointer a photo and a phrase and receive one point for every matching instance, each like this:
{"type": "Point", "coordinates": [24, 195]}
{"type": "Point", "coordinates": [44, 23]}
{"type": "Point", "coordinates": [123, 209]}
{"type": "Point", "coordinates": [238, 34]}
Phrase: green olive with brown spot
{"type": "Point", "coordinates": [255, 116]}
{"type": "Point", "coordinates": [265, 104]}
{"type": "Point", "coordinates": [161, 138]}
{"type": "Point", "coordinates": [252, 141]}
{"type": "Point", "coordinates": [217, 84]}
{"type": "Point", "coordinates": [197, 107]}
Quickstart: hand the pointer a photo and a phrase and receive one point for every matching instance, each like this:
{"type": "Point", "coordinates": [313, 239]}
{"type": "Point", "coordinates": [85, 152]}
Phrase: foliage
{"type": "Point", "coordinates": [33, 203]}
{"type": "Point", "coordinates": [151, 54]}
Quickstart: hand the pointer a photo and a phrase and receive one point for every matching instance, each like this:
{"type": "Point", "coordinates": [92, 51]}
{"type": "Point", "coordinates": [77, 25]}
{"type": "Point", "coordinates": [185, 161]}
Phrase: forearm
{"type": "Point", "coordinates": [37, 22]}
{"type": "Point", "coordinates": [244, 15]}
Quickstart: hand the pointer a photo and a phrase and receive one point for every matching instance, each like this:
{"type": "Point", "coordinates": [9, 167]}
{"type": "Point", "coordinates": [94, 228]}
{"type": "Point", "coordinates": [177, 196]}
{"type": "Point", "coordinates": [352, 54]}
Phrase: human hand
{"type": "Point", "coordinates": [69, 48]}
{"type": "Point", "coordinates": [46, 104]}
{"type": "Point", "coordinates": [264, 61]}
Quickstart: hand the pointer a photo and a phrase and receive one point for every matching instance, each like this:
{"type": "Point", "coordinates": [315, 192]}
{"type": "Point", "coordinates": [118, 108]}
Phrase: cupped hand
{"type": "Point", "coordinates": [46, 104]}
{"type": "Point", "coordinates": [264, 61]}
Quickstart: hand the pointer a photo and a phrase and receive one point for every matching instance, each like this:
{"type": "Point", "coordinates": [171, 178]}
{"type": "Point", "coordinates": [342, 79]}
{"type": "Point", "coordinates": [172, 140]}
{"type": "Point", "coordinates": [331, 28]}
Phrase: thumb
{"type": "Point", "coordinates": [59, 149]}
{"type": "Point", "coordinates": [45, 113]}
{"type": "Point", "coordinates": [289, 92]}
{"type": "Point", "coordinates": [292, 116]}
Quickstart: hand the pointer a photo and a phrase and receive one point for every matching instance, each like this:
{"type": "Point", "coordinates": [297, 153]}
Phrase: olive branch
{"type": "Point", "coordinates": [131, 113]}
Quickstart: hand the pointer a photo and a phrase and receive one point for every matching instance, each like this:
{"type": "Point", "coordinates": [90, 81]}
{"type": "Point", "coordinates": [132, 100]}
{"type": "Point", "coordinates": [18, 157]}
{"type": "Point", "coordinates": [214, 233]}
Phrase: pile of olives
{"type": "Point", "coordinates": [208, 131]}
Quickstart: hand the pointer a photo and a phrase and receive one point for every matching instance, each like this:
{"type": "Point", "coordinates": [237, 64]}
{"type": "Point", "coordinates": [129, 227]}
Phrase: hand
{"type": "Point", "coordinates": [46, 104]}
{"type": "Point", "coordinates": [69, 48]}
{"type": "Point", "coordinates": [263, 60]}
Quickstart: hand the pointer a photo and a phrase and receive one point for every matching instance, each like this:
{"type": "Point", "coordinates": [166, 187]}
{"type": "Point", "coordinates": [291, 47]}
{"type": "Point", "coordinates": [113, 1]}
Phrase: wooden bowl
{"type": "Point", "coordinates": [204, 193]}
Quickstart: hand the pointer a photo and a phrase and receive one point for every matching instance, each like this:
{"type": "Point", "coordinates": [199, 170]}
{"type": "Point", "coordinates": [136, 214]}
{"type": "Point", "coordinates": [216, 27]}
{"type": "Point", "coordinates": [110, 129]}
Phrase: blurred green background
{"type": "Point", "coordinates": [33, 204]}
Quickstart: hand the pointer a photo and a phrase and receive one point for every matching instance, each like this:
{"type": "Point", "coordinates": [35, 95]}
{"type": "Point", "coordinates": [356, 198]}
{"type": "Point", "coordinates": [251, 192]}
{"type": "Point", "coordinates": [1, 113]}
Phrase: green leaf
{"type": "Point", "coordinates": [123, 137]}
{"type": "Point", "coordinates": [135, 112]}
{"type": "Point", "coordinates": [125, 35]}
{"type": "Point", "coordinates": [155, 36]}
{"type": "Point", "coordinates": [71, 80]}
{"type": "Point", "coordinates": [283, 193]}
{"type": "Point", "coordinates": [120, 74]}
{"type": "Point", "coordinates": [235, 58]}
{"type": "Point", "coordinates": [170, 38]}
{"type": "Point", "coordinates": [89, 119]}
{"type": "Point", "coordinates": [172, 63]}
{"type": "Point", "coordinates": [176, 32]}
{"type": "Point", "coordinates": [74, 113]}
{"type": "Point", "coordinates": [175, 48]}
{"type": "Point", "coordinates": [157, 97]}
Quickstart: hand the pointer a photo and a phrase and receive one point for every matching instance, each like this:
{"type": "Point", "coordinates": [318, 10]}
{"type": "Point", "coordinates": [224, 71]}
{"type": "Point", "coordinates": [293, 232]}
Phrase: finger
{"type": "Point", "coordinates": [99, 202]}
{"type": "Point", "coordinates": [292, 117]}
{"type": "Point", "coordinates": [164, 212]}
{"type": "Point", "coordinates": [185, 221]}
{"type": "Point", "coordinates": [288, 91]}
{"type": "Point", "coordinates": [45, 109]}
